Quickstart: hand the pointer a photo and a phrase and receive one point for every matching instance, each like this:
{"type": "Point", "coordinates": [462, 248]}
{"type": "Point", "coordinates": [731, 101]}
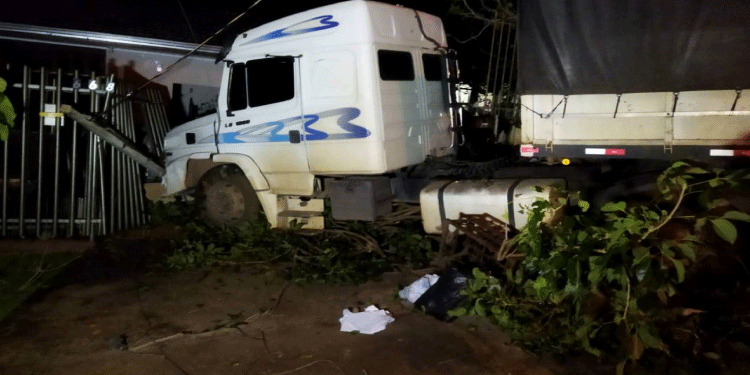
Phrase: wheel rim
{"type": "Point", "coordinates": [225, 203]}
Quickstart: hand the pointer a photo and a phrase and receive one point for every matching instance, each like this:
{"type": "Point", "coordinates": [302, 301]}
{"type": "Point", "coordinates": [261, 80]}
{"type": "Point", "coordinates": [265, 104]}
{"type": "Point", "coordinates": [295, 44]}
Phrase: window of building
{"type": "Point", "coordinates": [433, 67]}
{"type": "Point", "coordinates": [395, 65]}
{"type": "Point", "coordinates": [270, 80]}
{"type": "Point", "coordinates": [237, 98]}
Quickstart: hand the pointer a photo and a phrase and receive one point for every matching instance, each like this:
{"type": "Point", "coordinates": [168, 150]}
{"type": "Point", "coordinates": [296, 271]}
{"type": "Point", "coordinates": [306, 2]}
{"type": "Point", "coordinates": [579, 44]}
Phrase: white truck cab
{"type": "Point", "coordinates": [353, 88]}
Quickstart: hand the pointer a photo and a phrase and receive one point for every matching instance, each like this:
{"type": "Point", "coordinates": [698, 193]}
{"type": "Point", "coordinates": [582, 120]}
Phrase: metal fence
{"type": "Point", "coordinates": [501, 69]}
{"type": "Point", "coordinates": [60, 180]}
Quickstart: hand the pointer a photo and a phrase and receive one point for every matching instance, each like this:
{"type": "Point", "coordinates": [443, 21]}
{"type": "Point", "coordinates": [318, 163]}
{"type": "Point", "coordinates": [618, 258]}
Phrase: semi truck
{"type": "Point", "coordinates": [337, 104]}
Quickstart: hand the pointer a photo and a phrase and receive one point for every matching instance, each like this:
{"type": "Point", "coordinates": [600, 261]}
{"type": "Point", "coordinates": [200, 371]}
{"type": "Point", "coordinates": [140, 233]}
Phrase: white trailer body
{"type": "Point", "coordinates": [639, 79]}
{"type": "Point", "coordinates": [695, 124]}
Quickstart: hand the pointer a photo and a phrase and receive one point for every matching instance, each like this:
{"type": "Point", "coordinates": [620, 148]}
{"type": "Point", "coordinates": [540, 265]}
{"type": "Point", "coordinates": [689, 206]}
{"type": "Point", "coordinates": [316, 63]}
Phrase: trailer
{"type": "Point", "coordinates": [634, 80]}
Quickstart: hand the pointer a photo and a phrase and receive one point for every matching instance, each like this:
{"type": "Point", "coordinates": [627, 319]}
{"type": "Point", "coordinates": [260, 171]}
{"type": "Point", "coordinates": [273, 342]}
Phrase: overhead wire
{"type": "Point", "coordinates": [181, 59]}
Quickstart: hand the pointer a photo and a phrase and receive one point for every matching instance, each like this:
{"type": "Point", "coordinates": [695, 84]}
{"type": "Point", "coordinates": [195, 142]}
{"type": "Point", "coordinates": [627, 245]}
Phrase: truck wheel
{"type": "Point", "coordinates": [225, 196]}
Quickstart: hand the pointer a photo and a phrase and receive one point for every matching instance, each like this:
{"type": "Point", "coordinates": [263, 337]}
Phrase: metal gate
{"type": "Point", "coordinates": [57, 178]}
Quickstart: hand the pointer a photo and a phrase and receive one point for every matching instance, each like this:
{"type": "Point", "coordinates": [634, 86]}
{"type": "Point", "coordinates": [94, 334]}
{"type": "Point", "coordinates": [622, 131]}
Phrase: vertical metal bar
{"type": "Point", "coordinates": [5, 184]}
{"type": "Point", "coordinates": [497, 69]}
{"type": "Point", "coordinates": [94, 166]}
{"type": "Point", "coordinates": [40, 161]}
{"type": "Point", "coordinates": [140, 209]}
{"type": "Point", "coordinates": [513, 64]}
{"type": "Point", "coordinates": [129, 191]}
{"type": "Point", "coordinates": [505, 58]}
{"type": "Point", "coordinates": [156, 135]}
{"type": "Point", "coordinates": [24, 121]}
{"type": "Point", "coordinates": [137, 185]}
{"type": "Point", "coordinates": [103, 208]}
{"type": "Point", "coordinates": [492, 51]}
{"type": "Point", "coordinates": [514, 101]}
{"type": "Point", "coordinates": [88, 202]}
{"type": "Point", "coordinates": [72, 214]}
{"type": "Point", "coordinates": [112, 171]}
{"type": "Point", "coordinates": [56, 186]}
{"type": "Point", "coordinates": [121, 199]}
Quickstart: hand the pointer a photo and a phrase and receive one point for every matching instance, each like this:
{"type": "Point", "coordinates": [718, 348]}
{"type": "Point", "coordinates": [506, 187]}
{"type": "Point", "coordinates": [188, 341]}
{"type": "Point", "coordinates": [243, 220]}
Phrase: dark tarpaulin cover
{"type": "Point", "coordinates": [620, 46]}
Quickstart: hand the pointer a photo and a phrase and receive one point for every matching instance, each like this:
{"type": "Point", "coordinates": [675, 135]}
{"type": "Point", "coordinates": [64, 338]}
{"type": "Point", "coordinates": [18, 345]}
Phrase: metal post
{"type": "Point", "coordinates": [24, 121]}
{"type": "Point", "coordinates": [103, 208]}
{"type": "Point", "coordinates": [72, 215]}
{"type": "Point", "coordinates": [89, 155]}
{"type": "Point", "coordinates": [495, 73]}
{"type": "Point", "coordinates": [492, 51]}
{"type": "Point", "coordinates": [153, 121]}
{"type": "Point", "coordinates": [39, 186]}
{"type": "Point", "coordinates": [58, 94]}
{"type": "Point", "coordinates": [94, 166]}
{"type": "Point", "coordinates": [141, 209]}
{"type": "Point", "coordinates": [5, 184]}
{"type": "Point", "coordinates": [114, 155]}
{"type": "Point", "coordinates": [505, 58]}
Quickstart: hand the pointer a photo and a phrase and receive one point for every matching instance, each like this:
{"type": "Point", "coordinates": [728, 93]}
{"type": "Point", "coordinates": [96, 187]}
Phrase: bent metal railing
{"type": "Point", "coordinates": [58, 179]}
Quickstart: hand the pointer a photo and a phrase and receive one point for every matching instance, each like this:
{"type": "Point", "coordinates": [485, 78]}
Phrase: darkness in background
{"type": "Point", "coordinates": [164, 19]}
{"type": "Point", "coordinates": [616, 46]}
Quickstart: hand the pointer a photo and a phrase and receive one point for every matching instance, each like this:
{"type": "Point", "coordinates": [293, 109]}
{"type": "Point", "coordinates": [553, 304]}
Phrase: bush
{"type": "Point", "coordinates": [604, 282]}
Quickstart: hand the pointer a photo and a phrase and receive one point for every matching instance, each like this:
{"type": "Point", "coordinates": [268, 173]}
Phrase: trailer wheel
{"type": "Point", "coordinates": [225, 196]}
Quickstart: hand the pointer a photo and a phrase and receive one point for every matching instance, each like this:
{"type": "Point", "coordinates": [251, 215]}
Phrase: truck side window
{"type": "Point", "coordinates": [237, 98]}
{"type": "Point", "coordinates": [270, 80]}
{"type": "Point", "coordinates": [433, 68]}
{"type": "Point", "coordinates": [395, 65]}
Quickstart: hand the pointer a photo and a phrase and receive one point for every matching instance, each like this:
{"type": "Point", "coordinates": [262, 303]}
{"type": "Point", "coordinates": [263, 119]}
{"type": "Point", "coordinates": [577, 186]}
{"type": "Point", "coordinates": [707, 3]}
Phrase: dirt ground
{"type": "Point", "coordinates": [229, 321]}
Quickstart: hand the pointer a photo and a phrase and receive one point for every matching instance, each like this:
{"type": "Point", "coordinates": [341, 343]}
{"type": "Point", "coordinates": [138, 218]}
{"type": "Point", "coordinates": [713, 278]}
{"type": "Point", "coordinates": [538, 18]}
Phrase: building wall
{"type": "Point", "coordinates": [138, 67]}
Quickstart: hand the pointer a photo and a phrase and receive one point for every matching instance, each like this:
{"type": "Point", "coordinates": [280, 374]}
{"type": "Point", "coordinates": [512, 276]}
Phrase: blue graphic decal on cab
{"type": "Point", "coordinates": [324, 22]}
{"type": "Point", "coordinates": [270, 131]}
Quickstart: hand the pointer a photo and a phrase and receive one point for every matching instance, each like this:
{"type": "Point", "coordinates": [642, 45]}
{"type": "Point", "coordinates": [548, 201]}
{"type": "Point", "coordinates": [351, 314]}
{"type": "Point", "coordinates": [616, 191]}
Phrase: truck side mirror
{"type": "Point", "coordinates": [229, 113]}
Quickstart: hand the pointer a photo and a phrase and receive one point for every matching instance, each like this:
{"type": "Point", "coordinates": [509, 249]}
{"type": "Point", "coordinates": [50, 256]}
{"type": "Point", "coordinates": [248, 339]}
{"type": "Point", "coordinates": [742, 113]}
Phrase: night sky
{"type": "Point", "coordinates": [165, 19]}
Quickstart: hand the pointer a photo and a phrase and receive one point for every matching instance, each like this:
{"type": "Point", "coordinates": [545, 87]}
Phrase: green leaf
{"type": "Point", "coordinates": [680, 268]}
{"type": "Point", "coordinates": [649, 337]}
{"type": "Point", "coordinates": [640, 253]}
{"type": "Point", "coordinates": [652, 215]}
{"type": "Point", "coordinates": [687, 250]}
{"type": "Point", "coordinates": [612, 207]}
{"type": "Point", "coordinates": [736, 215]}
{"type": "Point", "coordinates": [714, 182]}
{"type": "Point", "coordinates": [584, 205]}
{"type": "Point", "coordinates": [696, 170]}
{"type": "Point", "coordinates": [596, 269]}
{"type": "Point", "coordinates": [479, 309]}
{"type": "Point", "coordinates": [712, 355]}
{"type": "Point", "coordinates": [641, 269]}
{"type": "Point", "coordinates": [478, 274]}
{"type": "Point", "coordinates": [725, 229]}
{"type": "Point", "coordinates": [461, 311]}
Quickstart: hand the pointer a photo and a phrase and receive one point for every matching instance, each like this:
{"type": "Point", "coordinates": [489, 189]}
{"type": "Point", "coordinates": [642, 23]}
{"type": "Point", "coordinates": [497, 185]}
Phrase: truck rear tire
{"type": "Point", "coordinates": [225, 196]}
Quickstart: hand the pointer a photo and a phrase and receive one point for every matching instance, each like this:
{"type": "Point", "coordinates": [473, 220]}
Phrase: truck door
{"type": "Point", "coordinates": [263, 116]}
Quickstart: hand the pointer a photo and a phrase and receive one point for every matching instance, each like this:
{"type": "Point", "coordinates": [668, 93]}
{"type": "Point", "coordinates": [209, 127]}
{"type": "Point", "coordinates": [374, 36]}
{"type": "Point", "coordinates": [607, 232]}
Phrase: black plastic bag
{"type": "Point", "coordinates": [445, 295]}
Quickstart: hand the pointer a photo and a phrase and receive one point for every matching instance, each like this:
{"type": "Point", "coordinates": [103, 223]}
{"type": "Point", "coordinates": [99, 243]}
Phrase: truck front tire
{"type": "Point", "coordinates": [225, 196]}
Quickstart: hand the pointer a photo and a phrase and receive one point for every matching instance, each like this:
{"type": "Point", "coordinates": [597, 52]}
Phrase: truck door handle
{"type": "Point", "coordinates": [294, 136]}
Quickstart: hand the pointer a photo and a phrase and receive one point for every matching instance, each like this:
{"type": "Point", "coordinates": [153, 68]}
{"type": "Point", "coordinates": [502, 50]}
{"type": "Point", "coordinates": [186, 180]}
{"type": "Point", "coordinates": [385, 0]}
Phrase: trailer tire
{"type": "Point", "coordinates": [225, 196]}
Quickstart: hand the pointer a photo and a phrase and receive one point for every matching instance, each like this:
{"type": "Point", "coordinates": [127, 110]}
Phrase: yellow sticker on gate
{"type": "Point", "coordinates": [51, 114]}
